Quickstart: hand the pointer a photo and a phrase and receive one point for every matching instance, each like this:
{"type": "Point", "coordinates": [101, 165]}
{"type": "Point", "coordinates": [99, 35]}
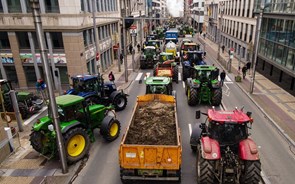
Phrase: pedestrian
{"type": "Point", "coordinates": [222, 77]}
{"type": "Point", "coordinates": [130, 48]}
{"type": "Point", "coordinates": [138, 47]}
{"type": "Point", "coordinates": [223, 47]}
{"type": "Point", "coordinates": [121, 58]}
{"type": "Point", "coordinates": [204, 35]}
{"type": "Point", "coordinates": [248, 66]}
{"type": "Point", "coordinates": [111, 77]}
{"type": "Point", "coordinates": [244, 70]}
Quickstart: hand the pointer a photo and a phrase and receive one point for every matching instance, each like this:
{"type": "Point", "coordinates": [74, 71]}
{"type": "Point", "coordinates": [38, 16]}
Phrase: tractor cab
{"type": "Point", "coordinates": [155, 43]}
{"type": "Point", "coordinates": [191, 58]}
{"type": "Point", "coordinates": [205, 73]}
{"type": "Point", "coordinates": [165, 56]}
{"type": "Point", "coordinates": [159, 85]}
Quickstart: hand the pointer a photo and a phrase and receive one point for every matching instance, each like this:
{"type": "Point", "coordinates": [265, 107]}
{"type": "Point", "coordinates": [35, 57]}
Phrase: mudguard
{"type": "Point", "coordinates": [64, 130]}
{"type": "Point", "coordinates": [210, 148]}
{"type": "Point", "coordinates": [248, 150]}
{"type": "Point", "coordinates": [195, 136]}
{"type": "Point", "coordinates": [191, 84]}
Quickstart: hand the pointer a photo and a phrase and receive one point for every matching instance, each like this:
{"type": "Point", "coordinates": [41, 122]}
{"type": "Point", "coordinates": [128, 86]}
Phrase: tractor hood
{"type": "Point", "coordinates": [42, 123]}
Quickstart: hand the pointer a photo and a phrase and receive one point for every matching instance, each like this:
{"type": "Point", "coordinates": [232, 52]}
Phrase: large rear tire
{"type": "Point", "coordinates": [110, 128]}
{"type": "Point", "coordinates": [192, 96]}
{"type": "Point", "coordinates": [251, 173]}
{"type": "Point", "coordinates": [217, 97]}
{"type": "Point", "coordinates": [120, 102]}
{"type": "Point", "coordinates": [205, 169]}
{"type": "Point", "coordinates": [77, 144]}
{"type": "Point", "coordinates": [175, 74]}
{"type": "Point", "coordinates": [38, 141]}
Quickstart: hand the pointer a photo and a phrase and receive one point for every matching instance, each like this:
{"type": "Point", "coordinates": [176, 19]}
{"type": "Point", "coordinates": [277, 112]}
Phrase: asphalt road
{"type": "Point", "coordinates": [278, 161]}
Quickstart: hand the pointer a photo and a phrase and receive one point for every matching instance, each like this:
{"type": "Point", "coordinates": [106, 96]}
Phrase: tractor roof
{"type": "Point", "coordinates": [205, 67]}
{"type": "Point", "coordinates": [190, 43]}
{"type": "Point", "coordinates": [68, 100]}
{"type": "Point", "coordinates": [84, 77]}
{"type": "Point", "coordinates": [186, 40]}
{"type": "Point", "coordinates": [150, 47]}
{"type": "Point", "coordinates": [235, 116]}
{"type": "Point", "coordinates": [166, 54]}
{"type": "Point", "coordinates": [158, 80]}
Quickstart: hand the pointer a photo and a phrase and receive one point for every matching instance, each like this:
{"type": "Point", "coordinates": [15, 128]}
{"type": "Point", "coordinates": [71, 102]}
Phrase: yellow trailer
{"type": "Point", "coordinates": [156, 157]}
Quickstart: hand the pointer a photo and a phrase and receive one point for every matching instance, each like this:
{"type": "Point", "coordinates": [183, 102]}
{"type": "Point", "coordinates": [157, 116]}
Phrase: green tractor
{"type": "Point", "coordinates": [166, 67]}
{"type": "Point", "coordinates": [28, 103]}
{"type": "Point", "coordinates": [149, 57]}
{"type": "Point", "coordinates": [77, 122]}
{"type": "Point", "coordinates": [203, 86]}
{"type": "Point", "coordinates": [159, 85]}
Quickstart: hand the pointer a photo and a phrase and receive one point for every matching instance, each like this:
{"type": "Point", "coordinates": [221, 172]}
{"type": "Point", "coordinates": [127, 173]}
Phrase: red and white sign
{"type": "Point", "coordinates": [133, 27]}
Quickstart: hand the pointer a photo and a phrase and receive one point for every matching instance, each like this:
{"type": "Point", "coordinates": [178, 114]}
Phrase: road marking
{"type": "Point", "coordinates": [179, 77]}
{"type": "Point", "coordinates": [227, 78]}
{"type": "Point", "coordinates": [138, 76]}
{"type": "Point", "coordinates": [190, 129]}
{"type": "Point", "coordinates": [183, 84]}
{"type": "Point", "coordinates": [228, 82]}
{"type": "Point", "coordinates": [227, 92]}
{"type": "Point", "coordinates": [146, 76]}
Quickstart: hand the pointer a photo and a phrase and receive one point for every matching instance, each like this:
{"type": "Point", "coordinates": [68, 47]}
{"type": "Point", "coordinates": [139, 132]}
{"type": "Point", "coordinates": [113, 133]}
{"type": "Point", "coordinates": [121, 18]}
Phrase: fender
{"type": "Point", "coordinates": [64, 130]}
{"type": "Point", "coordinates": [210, 148]}
{"type": "Point", "coordinates": [191, 84]}
{"type": "Point", "coordinates": [196, 134]}
{"type": "Point", "coordinates": [116, 93]}
{"type": "Point", "coordinates": [248, 150]}
{"type": "Point", "coordinates": [71, 92]}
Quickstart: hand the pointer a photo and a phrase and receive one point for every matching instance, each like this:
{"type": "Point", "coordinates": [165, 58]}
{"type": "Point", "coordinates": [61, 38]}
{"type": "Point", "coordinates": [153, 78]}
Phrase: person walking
{"type": "Point", "coordinates": [130, 48]}
{"type": "Point", "coordinates": [248, 66]}
{"type": "Point", "coordinates": [244, 70]}
{"type": "Point", "coordinates": [138, 47]}
{"type": "Point", "coordinates": [121, 58]}
{"type": "Point", "coordinates": [222, 77]}
{"type": "Point", "coordinates": [223, 47]}
{"type": "Point", "coordinates": [111, 77]}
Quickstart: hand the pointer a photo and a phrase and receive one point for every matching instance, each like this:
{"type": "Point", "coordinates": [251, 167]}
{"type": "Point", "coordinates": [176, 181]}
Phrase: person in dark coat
{"type": "Point", "coordinates": [222, 77]}
{"type": "Point", "coordinates": [244, 70]}
{"type": "Point", "coordinates": [121, 58]}
{"type": "Point", "coordinates": [130, 48]}
{"type": "Point", "coordinates": [223, 47]}
{"type": "Point", "coordinates": [248, 66]}
{"type": "Point", "coordinates": [111, 77]}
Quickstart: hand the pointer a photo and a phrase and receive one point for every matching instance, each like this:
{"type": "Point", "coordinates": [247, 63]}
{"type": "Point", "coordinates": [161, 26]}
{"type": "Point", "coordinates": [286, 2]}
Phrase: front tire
{"type": "Point", "coordinates": [77, 144]}
{"type": "Point", "coordinates": [251, 174]}
{"type": "Point", "coordinates": [110, 128]}
{"type": "Point", "coordinates": [217, 97]}
{"type": "Point", "coordinates": [38, 141]}
{"type": "Point", "coordinates": [185, 73]}
{"type": "Point", "coordinates": [23, 109]}
{"type": "Point", "coordinates": [120, 102]}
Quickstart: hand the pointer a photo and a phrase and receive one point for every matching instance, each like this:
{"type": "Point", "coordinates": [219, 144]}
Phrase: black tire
{"type": "Point", "coordinates": [194, 148]}
{"type": "Point", "coordinates": [23, 109]}
{"type": "Point", "coordinates": [77, 144]}
{"type": "Point", "coordinates": [251, 173]}
{"type": "Point", "coordinates": [120, 102]}
{"type": "Point", "coordinates": [216, 97]}
{"type": "Point", "coordinates": [192, 96]}
{"type": "Point", "coordinates": [185, 73]}
{"type": "Point", "coordinates": [205, 169]}
{"type": "Point", "coordinates": [142, 65]}
{"type": "Point", "coordinates": [37, 140]}
{"type": "Point", "coordinates": [110, 128]}
{"type": "Point", "coordinates": [175, 74]}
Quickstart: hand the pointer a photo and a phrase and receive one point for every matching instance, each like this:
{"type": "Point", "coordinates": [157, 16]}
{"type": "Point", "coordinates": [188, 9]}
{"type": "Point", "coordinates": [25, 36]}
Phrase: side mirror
{"type": "Point", "coordinates": [198, 114]}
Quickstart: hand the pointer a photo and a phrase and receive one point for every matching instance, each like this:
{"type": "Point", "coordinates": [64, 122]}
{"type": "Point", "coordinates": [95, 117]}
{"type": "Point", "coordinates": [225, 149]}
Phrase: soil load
{"type": "Point", "coordinates": [154, 124]}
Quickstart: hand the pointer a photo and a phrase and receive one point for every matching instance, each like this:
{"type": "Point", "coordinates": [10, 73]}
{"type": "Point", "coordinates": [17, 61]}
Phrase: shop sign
{"type": "Point", "coordinates": [105, 45]}
{"type": "Point", "coordinates": [7, 58]}
{"type": "Point", "coordinates": [90, 53]}
{"type": "Point", "coordinates": [28, 58]}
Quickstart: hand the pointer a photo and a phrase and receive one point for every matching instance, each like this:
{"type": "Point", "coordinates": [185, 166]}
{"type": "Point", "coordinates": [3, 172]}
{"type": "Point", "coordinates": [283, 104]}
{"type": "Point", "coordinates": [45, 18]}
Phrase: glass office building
{"type": "Point", "coordinates": [276, 53]}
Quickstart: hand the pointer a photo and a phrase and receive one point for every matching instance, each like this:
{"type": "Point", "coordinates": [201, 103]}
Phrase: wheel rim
{"type": "Point", "coordinates": [120, 102]}
{"type": "Point", "coordinates": [188, 93]}
{"type": "Point", "coordinates": [76, 145]}
{"type": "Point", "coordinates": [114, 129]}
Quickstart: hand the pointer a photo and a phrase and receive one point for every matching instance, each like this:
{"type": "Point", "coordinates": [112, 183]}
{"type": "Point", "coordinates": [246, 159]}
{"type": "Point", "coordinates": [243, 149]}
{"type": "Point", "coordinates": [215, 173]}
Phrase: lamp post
{"type": "Point", "coordinates": [220, 29]}
{"type": "Point", "coordinates": [258, 27]}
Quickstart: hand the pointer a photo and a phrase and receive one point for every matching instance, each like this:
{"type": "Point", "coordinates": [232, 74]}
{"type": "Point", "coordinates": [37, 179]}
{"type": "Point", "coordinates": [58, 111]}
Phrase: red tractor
{"type": "Point", "coordinates": [225, 153]}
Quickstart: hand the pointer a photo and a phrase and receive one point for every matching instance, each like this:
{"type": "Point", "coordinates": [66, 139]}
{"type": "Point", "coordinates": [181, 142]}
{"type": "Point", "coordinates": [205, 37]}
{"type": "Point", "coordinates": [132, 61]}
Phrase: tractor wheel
{"type": "Point", "coordinates": [175, 74]}
{"type": "Point", "coordinates": [185, 73]}
{"type": "Point", "coordinates": [142, 66]}
{"type": "Point", "coordinates": [120, 102]}
{"type": "Point", "coordinates": [192, 96]}
{"type": "Point", "coordinates": [205, 169]}
{"type": "Point", "coordinates": [77, 144]}
{"type": "Point", "coordinates": [23, 109]}
{"type": "Point", "coordinates": [38, 141]}
{"type": "Point", "coordinates": [216, 97]}
{"type": "Point", "coordinates": [186, 88]}
{"type": "Point", "coordinates": [251, 173]}
{"type": "Point", "coordinates": [110, 128]}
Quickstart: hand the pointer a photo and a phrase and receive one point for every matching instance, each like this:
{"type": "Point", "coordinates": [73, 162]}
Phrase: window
{"type": "Point", "coordinates": [23, 40]}
{"type": "Point", "coordinates": [14, 6]}
{"type": "Point", "coordinates": [1, 7]}
{"type": "Point", "coordinates": [291, 59]}
{"type": "Point", "coordinates": [4, 41]}
{"type": "Point", "coordinates": [82, 5]}
{"type": "Point", "coordinates": [279, 54]}
{"type": "Point", "coordinates": [57, 41]}
{"type": "Point", "coordinates": [51, 6]}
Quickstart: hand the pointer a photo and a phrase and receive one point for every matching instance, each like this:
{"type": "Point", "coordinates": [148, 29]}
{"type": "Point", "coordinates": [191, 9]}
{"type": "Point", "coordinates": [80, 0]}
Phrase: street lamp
{"type": "Point", "coordinates": [262, 7]}
{"type": "Point", "coordinates": [220, 29]}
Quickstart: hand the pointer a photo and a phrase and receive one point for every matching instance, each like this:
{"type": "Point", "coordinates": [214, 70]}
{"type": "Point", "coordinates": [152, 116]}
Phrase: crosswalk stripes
{"type": "Point", "coordinates": [146, 75]}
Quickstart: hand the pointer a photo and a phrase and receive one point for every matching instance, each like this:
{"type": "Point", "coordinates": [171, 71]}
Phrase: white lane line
{"type": "Point", "coordinates": [183, 84]}
{"type": "Point", "coordinates": [265, 178]}
{"type": "Point", "coordinates": [179, 77]}
{"type": "Point", "coordinates": [227, 78]}
{"type": "Point", "coordinates": [138, 76]}
{"type": "Point", "coordinates": [146, 75]}
{"type": "Point", "coordinates": [227, 91]}
{"type": "Point", "coordinates": [190, 129]}
{"type": "Point", "coordinates": [228, 82]}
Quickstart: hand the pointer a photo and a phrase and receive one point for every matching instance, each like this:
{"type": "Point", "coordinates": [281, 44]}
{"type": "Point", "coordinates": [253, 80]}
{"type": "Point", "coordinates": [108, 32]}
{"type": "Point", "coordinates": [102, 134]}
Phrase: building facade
{"type": "Point", "coordinates": [276, 52]}
{"type": "Point", "coordinates": [197, 8]}
{"type": "Point", "coordinates": [69, 34]}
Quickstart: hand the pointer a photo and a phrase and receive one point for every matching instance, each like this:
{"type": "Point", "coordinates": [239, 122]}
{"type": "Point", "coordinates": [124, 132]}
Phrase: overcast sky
{"type": "Point", "coordinates": [174, 7]}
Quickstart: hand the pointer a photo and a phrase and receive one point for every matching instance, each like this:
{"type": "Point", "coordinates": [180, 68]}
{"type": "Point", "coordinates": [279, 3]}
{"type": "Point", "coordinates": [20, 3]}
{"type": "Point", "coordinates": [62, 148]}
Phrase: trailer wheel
{"type": "Point", "coordinates": [217, 97]}
{"type": "Point", "coordinates": [77, 144]}
{"type": "Point", "coordinates": [175, 74]}
{"type": "Point", "coordinates": [251, 173]}
{"type": "Point", "coordinates": [38, 140]}
{"type": "Point", "coordinates": [110, 128]}
{"type": "Point", "coordinates": [192, 96]}
{"type": "Point", "coordinates": [120, 102]}
{"type": "Point", "coordinates": [205, 169]}
{"type": "Point", "coordinates": [23, 109]}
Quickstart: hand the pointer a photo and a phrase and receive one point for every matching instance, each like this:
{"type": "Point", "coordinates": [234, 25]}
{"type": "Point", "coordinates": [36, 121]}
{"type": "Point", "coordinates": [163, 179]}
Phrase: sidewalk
{"type": "Point", "coordinates": [26, 166]}
{"type": "Point", "coordinates": [276, 104]}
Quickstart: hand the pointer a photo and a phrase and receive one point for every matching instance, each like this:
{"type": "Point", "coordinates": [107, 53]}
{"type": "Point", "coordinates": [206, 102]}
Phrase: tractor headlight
{"type": "Point", "coordinates": [50, 128]}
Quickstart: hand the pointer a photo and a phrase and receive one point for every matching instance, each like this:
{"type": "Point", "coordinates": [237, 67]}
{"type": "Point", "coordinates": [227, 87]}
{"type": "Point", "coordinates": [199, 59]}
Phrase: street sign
{"type": "Point", "coordinates": [133, 27]}
{"type": "Point", "coordinates": [133, 31]}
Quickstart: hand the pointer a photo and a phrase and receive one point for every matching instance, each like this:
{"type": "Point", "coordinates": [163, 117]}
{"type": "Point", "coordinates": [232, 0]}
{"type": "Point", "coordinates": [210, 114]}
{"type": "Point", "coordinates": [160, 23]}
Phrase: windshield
{"type": "Point", "coordinates": [190, 47]}
{"type": "Point", "coordinates": [156, 89]}
{"type": "Point", "coordinates": [149, 51]}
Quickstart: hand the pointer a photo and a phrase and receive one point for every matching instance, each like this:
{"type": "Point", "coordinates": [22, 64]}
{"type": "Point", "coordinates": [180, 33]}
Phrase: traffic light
{"type": "Point", "coordinates": [128, 22]}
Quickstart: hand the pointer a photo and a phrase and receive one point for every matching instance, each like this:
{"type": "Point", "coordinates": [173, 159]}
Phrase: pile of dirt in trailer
{"type": "Point", "coordinates": [154, 124]}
